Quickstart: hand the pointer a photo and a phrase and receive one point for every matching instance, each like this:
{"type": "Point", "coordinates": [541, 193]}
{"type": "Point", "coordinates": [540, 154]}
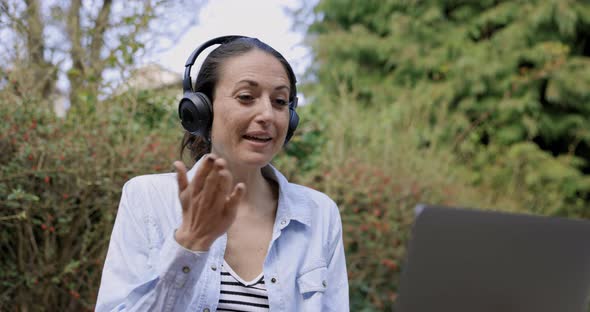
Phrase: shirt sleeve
{"type": "Point", "coordinates": [337, 298]}
{"type": "Point", "coordinates": [130, 283]}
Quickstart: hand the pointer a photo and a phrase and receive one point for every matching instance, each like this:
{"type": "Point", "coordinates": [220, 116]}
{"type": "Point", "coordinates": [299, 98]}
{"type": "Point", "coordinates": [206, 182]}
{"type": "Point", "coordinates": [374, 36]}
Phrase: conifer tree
{"type": "Point", "coordinates": [504, 84]}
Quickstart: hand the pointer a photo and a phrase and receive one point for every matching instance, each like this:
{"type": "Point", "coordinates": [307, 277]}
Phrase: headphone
{"type": "Point", "coordinates": [195, 109]}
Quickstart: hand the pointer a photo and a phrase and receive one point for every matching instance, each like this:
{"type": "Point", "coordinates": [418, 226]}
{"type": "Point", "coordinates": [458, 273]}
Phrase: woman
{"type": "Point", "coordinates": [231, 234]}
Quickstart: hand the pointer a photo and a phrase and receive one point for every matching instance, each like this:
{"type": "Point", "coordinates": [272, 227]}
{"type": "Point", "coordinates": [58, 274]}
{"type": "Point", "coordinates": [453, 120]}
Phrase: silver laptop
{"type": "Point", "coordinates": [465, 260]}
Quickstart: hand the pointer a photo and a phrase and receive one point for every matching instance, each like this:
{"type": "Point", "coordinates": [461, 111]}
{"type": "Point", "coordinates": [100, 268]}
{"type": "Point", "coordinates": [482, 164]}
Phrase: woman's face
{"type": "Point", "coordinates": [250, 109]}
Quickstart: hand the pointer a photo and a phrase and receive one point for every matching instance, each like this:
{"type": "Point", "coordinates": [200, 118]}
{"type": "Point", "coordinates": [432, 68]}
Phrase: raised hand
{"type": "Point", "coordinates": [209, 203]}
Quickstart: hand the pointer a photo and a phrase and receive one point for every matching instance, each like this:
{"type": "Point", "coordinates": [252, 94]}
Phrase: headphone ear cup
{"type": "Point", "coordinates": [196, 114]}
{"type": "Point", "coordinates": [293, 123]}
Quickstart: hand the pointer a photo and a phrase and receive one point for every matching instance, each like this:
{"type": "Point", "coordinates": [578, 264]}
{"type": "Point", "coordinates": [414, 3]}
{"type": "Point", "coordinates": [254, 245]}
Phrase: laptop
{"type": "Point", "coordinates": [464, 260]}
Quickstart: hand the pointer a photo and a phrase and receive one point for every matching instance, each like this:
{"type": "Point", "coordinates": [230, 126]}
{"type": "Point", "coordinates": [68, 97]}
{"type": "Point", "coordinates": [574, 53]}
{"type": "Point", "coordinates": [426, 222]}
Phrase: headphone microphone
{"type": "Point", "coordinates": [195, 108]}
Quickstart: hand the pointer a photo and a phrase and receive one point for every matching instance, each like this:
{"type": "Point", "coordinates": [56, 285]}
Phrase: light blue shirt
{"type": "Point", "coordinates": [147, 270]}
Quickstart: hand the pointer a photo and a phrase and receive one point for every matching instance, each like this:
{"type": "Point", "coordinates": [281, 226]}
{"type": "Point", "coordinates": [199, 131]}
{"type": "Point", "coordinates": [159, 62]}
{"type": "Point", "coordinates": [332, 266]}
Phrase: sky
{"type": "Point", "coordinates": [267, 20]}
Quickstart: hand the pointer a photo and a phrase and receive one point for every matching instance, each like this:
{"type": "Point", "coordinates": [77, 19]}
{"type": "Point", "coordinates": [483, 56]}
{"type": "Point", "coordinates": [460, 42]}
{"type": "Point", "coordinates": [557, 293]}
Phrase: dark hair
{"type": "Point", "coordinates": [208, 78]}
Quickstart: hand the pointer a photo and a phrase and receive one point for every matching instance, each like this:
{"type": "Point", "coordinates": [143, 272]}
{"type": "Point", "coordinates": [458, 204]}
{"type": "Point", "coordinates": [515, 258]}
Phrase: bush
{"type": "Point", "coordinates": [377, 212]}
{"type": "Point", "coordinates": [60, 184]}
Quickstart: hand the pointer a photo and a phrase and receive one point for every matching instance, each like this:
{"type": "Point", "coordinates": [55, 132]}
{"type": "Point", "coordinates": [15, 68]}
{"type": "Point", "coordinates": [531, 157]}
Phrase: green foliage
{"type": "Point", "coordinates": [302, 154]}
{"type": "Point", "coordinates": [488, 75]}
{"type": "Point", "coordinates": [60, 182]}
{"type": "Point", "coordinates": [488, 98]}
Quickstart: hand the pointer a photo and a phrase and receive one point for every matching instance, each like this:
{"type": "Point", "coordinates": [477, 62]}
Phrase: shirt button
{"type": "Point", "coordinates": [325, 284]}
{"type": "Point", "coordinates": [283, 222]}
{"type": "Point", "coordinates": [273, 280]}
{"type": "Point", "coordinates": [214, 267]}
{"type": "Point", "coordinates": [206, 310]}
{"type": "Point", "coordinates": [186, 269]}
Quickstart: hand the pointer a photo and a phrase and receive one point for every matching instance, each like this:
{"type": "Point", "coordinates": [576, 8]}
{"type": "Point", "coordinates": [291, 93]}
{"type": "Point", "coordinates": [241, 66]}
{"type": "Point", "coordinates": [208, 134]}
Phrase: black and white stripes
{"type": "Point", "coordinates": [239, 295]}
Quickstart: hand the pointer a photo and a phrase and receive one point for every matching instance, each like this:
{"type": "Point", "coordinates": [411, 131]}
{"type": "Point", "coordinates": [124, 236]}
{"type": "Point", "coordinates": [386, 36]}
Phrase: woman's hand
{"type": "Point", "coordinates": [209, 204]}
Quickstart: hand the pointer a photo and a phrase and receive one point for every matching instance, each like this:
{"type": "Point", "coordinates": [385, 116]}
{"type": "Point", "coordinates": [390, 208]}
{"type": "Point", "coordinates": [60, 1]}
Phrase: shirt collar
{"type": "Point", "coordinates": [293, 204]}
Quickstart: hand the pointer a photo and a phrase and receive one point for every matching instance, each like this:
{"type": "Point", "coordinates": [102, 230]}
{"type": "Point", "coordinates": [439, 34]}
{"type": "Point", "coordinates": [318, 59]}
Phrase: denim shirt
{"type": "Point", "coordinates": [147, 270]}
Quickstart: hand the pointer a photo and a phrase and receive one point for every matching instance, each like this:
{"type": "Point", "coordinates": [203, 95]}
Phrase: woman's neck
{"type": "Point", "coordinates": [258, 190]}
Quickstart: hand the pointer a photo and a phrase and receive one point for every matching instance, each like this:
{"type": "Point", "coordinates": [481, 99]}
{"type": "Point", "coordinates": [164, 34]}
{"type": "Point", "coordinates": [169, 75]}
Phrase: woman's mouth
{"type": "Point", "coordinates": [257, 138]}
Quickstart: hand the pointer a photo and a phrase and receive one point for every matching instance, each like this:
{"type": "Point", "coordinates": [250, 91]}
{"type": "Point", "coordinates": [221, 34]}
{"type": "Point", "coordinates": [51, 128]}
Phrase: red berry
{"type": "Point", "coordinates": [74, 294]}
{"type": "Point", "coordinates": [391, 264]}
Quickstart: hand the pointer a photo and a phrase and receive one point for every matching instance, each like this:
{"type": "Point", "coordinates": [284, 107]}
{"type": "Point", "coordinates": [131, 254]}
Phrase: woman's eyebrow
{"type": "Point", "coordinates": [253, 83]}
{"type": "Point", "coordinates": [249, 82]}
{"type": "Point", "coordinates": [283, 87]}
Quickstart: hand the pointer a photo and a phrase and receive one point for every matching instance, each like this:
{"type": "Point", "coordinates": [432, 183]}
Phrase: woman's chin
{"type": "Point", "coordinates": [249, 156]}
{"type": "Point", "coordinates": [255, 159]}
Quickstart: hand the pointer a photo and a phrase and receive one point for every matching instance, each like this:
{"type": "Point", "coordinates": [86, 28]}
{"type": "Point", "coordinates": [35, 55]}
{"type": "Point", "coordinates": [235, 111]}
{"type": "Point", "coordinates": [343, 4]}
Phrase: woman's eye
{"type": "Point", "coordinates": [245, 98]}
{"type": "Point", "coordinates": [281, 102]}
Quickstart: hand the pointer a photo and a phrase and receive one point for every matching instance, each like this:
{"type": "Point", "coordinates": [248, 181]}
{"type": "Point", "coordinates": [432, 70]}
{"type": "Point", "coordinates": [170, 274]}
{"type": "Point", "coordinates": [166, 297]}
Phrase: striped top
{"type": "Point", "coordinates": [238, 295]}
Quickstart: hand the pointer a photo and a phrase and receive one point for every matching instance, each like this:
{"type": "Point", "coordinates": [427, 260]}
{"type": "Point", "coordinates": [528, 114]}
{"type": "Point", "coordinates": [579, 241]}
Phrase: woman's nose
{"type": "Point", "coordinates": [264, 109]}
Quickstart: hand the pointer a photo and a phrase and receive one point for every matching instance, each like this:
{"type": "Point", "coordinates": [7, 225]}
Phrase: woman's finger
{"type": "Point", "coordinates": [225, 183]}
{"type": "Point", "coordinates": [231, 205]}
{"type": "Point", "coordinates": [220, 163]}
{"type": "Point", "coordinates": [209, 192]}
{"type": "Point", "coordinates": [181, 175]}
{"type": "Point", "coordinates": [202, 173]}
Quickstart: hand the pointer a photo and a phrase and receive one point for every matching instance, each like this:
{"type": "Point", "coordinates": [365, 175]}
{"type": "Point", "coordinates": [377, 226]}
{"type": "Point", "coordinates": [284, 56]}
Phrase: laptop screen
{"type": "Point", "coordinates": [472, 260]}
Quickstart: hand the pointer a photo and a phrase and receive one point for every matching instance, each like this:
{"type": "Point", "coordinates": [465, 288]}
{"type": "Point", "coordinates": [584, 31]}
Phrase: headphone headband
{"type": "Point", "coordinates": [187, 83]}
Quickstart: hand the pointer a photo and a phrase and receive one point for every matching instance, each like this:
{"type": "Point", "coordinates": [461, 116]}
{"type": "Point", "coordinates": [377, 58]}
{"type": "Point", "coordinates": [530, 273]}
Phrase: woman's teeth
{"type": "Point", "coordinates": [261, 139]}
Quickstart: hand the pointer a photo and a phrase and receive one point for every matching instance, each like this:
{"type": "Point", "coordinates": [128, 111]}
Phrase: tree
{"type": "Point", "coordinates": [503, 83]}
{"type": "Point", "coordinates": [82, 40]}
